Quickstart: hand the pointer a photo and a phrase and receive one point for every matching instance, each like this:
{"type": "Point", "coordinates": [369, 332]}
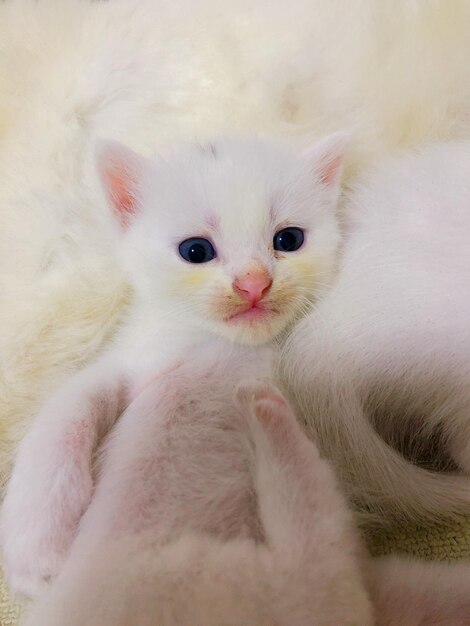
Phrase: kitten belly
{"type": "Point", "coordinates": [175, 461]}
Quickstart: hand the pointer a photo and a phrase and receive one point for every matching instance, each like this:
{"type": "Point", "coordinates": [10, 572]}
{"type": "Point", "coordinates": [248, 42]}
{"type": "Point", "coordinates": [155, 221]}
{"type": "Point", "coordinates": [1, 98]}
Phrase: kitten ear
{"type": "Point", "coordinates": [325, 158]}
{"type": "Point", "coordinates": [120, 170]}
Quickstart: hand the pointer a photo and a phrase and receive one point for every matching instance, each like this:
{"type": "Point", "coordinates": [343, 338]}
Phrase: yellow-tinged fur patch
{"type": "Point", "coordinates": [301, 265]}
{"type": "Point", "coordinates": [194, 278]}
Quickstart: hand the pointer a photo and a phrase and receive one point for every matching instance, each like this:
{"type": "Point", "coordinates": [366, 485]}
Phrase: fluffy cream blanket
{"type": "Point", "coordinates": [149, 73]}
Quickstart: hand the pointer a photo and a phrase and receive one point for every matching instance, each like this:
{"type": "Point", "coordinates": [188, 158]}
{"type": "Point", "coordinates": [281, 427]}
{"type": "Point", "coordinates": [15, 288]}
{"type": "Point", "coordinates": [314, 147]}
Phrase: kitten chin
{"type": "Point", "coordinates": [254, 329]}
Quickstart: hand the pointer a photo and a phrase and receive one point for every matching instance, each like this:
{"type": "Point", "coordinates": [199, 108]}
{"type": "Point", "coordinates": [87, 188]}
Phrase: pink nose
{"type": "Point", "coordinates": [253, 286]}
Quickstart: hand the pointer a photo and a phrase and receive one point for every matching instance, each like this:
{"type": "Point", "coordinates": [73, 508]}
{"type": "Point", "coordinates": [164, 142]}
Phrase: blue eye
{"type": "Point", "coordinates": [288, 239]}
{"type": "Point", "coordinates": [197, 250]}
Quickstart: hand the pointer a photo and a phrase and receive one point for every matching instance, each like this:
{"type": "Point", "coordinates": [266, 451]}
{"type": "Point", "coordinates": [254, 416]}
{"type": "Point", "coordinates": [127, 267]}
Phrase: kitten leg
{"type": "Point", "coordinates": [51, 482]}
{"type": "Point", "coordinates": [317, 553]}
{"type": "Point", "coordinates": [288, 467]}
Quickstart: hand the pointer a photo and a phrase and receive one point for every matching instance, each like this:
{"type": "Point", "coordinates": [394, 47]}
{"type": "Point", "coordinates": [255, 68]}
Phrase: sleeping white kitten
{"type": "Point", "coordinates": [224, 243]}
{"type": "Point", "coordinates": [394, 338]}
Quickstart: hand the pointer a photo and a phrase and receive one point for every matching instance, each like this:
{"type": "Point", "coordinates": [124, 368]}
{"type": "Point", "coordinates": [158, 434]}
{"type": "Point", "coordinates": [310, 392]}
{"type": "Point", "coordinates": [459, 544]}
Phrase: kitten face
{"type": "Point", "coordinates": [238, 237]}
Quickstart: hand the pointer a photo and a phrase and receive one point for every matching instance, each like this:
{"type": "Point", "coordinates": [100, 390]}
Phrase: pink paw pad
{"type": "Point", "coordinates": [257, 390]}
{"type": "Point", "coordinates": [271, 409]}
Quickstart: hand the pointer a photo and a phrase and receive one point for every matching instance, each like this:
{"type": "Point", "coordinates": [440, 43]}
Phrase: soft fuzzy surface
{"type": "Point", "coordinates": [145, 74]}
{"type": "Point", "coordinates": [10, 611]}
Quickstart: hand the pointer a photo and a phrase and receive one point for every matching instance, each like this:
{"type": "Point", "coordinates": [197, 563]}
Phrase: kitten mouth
{"type": "Point", "coordinates": [253, 313]}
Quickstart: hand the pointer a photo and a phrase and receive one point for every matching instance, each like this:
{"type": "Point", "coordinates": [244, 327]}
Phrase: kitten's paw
{"type": "Point", "coordinates": [272, 423]}
{"type": "Point", "coordinates": [248, 393]}
{"type": "Point", "coordinates": [35, 549]}
{"type": "Point", "coordinates": [278, 424]}
{"type": "Point", "coordinates": [264, 407]}
{"type": "Point", "coordinates": [26, 584]}
{"type": "Point", "coordinates": [29, 562]}
{"type": "Point", "coordinates": [39, 522]}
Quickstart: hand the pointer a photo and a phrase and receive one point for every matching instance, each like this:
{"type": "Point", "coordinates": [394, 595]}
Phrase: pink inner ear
{"type": "Point", "coordinates": [121, 172]}
{"type": "Point", "coordinates": [330, 171]}
{"type": "Point", "coordinates": [120, 184]}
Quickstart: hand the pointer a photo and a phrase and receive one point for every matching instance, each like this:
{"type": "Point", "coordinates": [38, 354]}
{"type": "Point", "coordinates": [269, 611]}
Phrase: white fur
{"type": "Point", "coordinates": [71, 71]}
{"type": "Point", "coordinates": [237, 193]}
{"type": "Point", "coordinates": [149, 73]}
{"type": "Point", "coordinates": [389, 345]}
{"type": "Point", "coordinates": [178, 522]}
{"type": "Point", "coordinates": [210, 512]}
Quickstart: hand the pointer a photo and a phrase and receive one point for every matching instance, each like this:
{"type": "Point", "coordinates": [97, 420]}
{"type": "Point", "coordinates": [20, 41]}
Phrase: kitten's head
{"type": "Point", "coordinates": [239, 236]}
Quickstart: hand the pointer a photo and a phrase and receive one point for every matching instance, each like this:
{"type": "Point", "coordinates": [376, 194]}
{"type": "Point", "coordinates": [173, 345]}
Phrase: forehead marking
{"type": "Point", "coordinates": [213, 221]}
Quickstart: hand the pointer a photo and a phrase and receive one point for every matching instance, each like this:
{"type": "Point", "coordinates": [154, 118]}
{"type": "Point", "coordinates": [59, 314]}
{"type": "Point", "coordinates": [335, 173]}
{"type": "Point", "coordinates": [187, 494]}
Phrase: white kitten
{"type": "Point", "coordinates": [394, 338]}
{"type": "Point", "coordinates": [221, 243]}
{"type": "Point", "coordinates": [187, 525]}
